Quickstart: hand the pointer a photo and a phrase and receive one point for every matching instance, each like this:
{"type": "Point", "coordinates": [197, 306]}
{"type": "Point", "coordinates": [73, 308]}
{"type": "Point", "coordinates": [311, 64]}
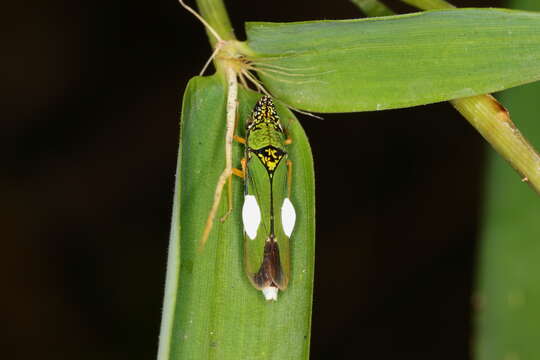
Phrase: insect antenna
{"type": "Point", "coordinates": [201, 19]}
{"type": "Point", "coordinates": [256, 82]}
{"type": "Point", "coordinates": [220, 42]}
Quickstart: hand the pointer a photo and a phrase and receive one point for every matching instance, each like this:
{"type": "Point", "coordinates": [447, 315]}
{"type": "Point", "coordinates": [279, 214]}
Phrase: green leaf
{"type": "Point", "coordinates": [211, 310]}
{"type": "Point", "coordinates": [396, 61]}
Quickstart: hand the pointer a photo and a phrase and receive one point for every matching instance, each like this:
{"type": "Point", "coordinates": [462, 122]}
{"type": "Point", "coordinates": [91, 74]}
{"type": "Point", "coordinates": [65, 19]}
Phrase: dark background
{"type": "Point", "coordinates": [91, 96]}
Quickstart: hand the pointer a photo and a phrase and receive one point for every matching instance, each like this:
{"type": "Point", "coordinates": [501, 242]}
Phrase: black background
{"type": "Point", "coordinates": [91, 96]}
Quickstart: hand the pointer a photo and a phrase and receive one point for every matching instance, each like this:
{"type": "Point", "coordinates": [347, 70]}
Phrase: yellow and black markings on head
{"type": "Point", "coordinates": [264, 113]}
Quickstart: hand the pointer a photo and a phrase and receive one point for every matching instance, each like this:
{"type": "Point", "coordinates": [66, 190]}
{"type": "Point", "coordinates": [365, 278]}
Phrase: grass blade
{"type": "Point", "coordinates": [396, 61]}
{"type": "Point", "coordinates": [508, 292]}
{"type": "Point", "coordinates": [211, 310]}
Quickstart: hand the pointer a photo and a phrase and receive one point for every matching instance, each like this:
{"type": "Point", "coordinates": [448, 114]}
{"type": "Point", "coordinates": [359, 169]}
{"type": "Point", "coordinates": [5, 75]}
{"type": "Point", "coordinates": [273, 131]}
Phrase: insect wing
{"type": "Point", "coordinates": [258, 187]}
{"type": "Point", "coordinates": [280, 194]}
{"type": "Point", "coordinates": [266, 261]}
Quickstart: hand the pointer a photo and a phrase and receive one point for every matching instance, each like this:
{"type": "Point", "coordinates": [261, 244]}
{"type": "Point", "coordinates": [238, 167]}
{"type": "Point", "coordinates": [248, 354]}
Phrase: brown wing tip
{"type": "Point", "coordinates": [269, 279]}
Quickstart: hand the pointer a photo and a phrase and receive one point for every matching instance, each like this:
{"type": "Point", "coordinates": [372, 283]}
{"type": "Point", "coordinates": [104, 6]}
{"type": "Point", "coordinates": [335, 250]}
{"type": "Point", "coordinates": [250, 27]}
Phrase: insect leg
{"type": "Point", "coordinates": [241, 174]}
{"type": "Point", "coordinates": [241, 140]}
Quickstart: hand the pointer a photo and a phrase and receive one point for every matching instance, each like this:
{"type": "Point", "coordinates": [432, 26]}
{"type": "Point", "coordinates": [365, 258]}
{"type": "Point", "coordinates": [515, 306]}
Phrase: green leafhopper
{"type": "Point", "coordinates": [268, 215]}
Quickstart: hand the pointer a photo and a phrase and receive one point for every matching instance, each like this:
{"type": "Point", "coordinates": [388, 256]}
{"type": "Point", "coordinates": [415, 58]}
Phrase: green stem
{"type": "Point", "coordinates": [214, 12]}
{"type": "Point", "coordinates": [373, 8]}
{"type": "Point", "coordinates": [429, 4]}
{"type": "Point", "coordinates": [492, 121]}
{"type": "Point", "coordinates": [485, 114]}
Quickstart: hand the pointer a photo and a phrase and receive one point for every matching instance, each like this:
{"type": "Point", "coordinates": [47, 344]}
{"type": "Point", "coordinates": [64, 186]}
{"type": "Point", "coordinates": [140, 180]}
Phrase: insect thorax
{"type": "Point", "coordinates": [265, 140]}
{"type": "Point", "coordinates": [265, 134]}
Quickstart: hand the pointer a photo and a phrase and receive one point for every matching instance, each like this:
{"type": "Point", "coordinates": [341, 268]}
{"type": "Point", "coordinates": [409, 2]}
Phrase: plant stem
{"type": "Point", "coordinates": [483, 112]}
{"type": "Point", "coordinates": [429, 4]}
{"type": "Point", "coordinates": [493, 122]}
{"type": "Point", "coordinates": [373, 8]}
{"type": "Point", "coordinates": [214, 12]}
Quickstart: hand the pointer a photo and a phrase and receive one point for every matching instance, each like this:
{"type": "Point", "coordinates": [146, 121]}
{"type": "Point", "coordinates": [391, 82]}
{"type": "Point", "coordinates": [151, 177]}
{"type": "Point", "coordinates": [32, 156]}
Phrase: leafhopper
{"type": "Point", "coordinates": [268, 215]}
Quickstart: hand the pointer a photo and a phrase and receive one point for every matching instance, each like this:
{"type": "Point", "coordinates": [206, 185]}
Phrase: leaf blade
{"type": "Point", "coordinates": [216, 313]}
{"type": "Point", "coordinates": [403, 60]}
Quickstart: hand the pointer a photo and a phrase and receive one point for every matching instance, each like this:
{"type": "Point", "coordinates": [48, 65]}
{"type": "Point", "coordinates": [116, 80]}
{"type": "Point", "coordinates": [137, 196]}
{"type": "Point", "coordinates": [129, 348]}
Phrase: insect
{"type": "Point", "coordinates": [268, 215]}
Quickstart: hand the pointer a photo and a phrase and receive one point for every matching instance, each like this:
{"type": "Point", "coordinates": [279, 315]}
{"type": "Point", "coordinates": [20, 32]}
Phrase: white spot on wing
{"type": "Point", "coordinates": [288, 217]}
{"type": "Point", "coordinates": [270, 293]}
{"type": "Point", "coordinates": [251, 216]}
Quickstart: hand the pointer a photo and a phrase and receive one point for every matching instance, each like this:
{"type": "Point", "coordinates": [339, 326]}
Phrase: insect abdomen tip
{"type": "Point", "coordinates": [270, 293]}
